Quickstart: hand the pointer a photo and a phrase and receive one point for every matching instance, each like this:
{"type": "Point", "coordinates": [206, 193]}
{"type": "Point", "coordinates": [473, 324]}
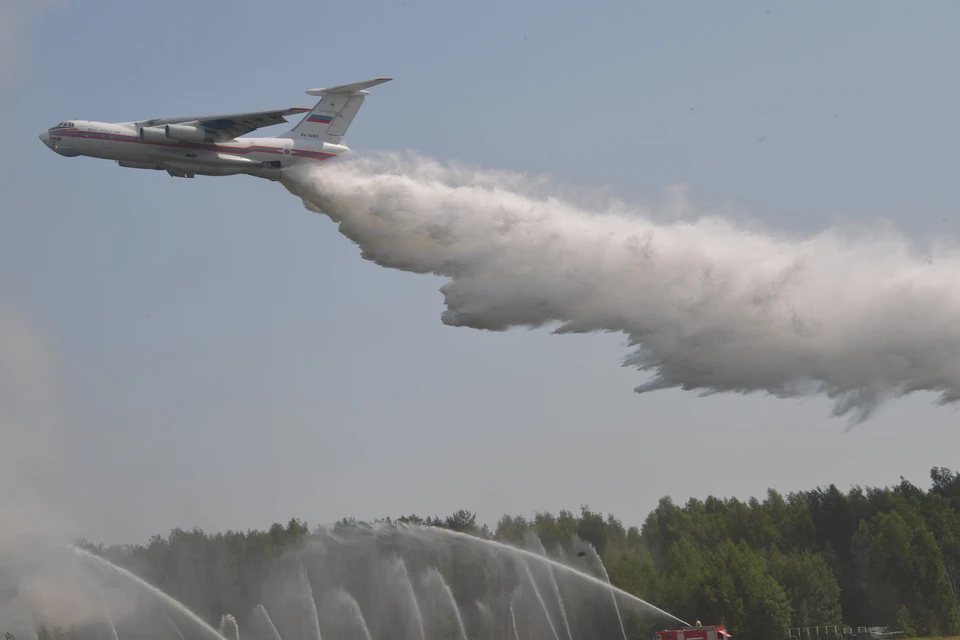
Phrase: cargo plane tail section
{"type": "Point", "coordinates": [330, 118]}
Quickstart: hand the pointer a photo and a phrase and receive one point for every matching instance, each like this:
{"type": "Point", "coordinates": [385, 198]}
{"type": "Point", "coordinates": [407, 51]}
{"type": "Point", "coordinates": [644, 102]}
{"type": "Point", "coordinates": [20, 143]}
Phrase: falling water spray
{"type": "Point", "coordinates": [174, 605]}
{"type": "Point", "coordinates": [536, 542]}
{"type": "Point", "coordinates": [524, 553]}
{"type": "Point", "coordinates": [708, 305]}
{"type": "Point", "coordinates": [228, 627]}
{"type": "Point", "coordinates": [597, 560]}
{"type": "Point", "coordinates": [435, 575]}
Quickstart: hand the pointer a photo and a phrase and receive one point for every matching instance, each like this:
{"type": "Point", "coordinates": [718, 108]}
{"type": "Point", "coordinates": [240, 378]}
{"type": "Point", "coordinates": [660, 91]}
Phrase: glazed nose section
{"type": "Point", "coordinates": [45, 138]}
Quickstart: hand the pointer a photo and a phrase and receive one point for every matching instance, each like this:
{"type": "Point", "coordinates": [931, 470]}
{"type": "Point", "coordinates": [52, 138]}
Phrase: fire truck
{"type": "Point", "coordinates": [710, 632]}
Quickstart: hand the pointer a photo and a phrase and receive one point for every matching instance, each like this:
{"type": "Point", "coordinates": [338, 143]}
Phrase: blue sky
{"type": "Point", "coordinates": [207, 352]}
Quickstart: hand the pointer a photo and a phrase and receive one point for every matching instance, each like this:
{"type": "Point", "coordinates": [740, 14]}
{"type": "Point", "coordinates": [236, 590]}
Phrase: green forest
{"type": "Point", "coordinates": [867, 557]}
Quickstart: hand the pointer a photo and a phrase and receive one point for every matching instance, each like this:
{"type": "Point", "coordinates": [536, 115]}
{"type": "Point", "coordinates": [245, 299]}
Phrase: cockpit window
{"type": "Point", "coordinates": [64, 125]}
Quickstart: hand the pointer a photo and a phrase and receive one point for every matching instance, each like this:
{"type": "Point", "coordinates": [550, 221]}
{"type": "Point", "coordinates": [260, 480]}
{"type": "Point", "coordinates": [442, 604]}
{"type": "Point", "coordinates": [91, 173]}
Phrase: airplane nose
{"type": "Point", "coordinates": [45, 138]}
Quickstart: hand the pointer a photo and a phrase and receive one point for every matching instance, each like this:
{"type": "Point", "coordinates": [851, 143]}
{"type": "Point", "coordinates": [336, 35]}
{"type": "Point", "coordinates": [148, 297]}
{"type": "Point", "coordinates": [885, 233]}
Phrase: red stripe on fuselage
{"type": "Point", "coordinates": [194, 146]}
{"type": "Point", "coordinates": [307, 154]}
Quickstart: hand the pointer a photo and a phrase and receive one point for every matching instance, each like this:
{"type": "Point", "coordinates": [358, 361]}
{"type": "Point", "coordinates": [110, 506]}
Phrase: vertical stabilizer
{"type": "Point", "coordinates": [332, 116]}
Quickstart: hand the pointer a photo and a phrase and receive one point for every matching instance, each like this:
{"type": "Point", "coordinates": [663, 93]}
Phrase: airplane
{"type": "Point", "coordinates": [211, 146]}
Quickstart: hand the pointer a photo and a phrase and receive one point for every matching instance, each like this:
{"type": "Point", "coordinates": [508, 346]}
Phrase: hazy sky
{"type": "Point", "coordinates": [207, 352]}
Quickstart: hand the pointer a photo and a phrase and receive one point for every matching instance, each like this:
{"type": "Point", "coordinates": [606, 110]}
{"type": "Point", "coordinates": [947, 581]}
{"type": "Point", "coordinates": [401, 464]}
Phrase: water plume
{"type": "Point", "coordinates": [486, 621]}
{"type": "Point", "coordinates": [400, 569]}
{"type": "Point", "coordinates": [533, 541]}
{"type": "Point", "coordinates": [260, 625]}
{"type": "Point", "coordinates": [293, 608]}
{"type": "Point", "coordinates": [597, 561]}
{"type": "Point", "coordinates": [435, 578]}
{"type": "Point", "coordinates": [179, 608]}
{"type": "Point", "coordinates": [540, 600]}
{"type": "Point", "coordinates": [344, 616]}
{"type": "Point", "coordinates": [707, 304]}
{"type": "Point", "coordinates": [524, 554]}
{"type": "Point", "coordinates": [174, 627]}
{"type": "Point", "coordinates": [109, 617]}
{"type": "Point", "coordinates": [228, 627]}
{"type": "Point", "coordinates": [386, 580]}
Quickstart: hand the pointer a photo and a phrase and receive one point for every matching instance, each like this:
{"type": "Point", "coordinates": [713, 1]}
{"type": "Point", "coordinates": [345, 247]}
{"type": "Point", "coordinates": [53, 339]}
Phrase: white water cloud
{"type": "Point", "coordinates": [860, 316]}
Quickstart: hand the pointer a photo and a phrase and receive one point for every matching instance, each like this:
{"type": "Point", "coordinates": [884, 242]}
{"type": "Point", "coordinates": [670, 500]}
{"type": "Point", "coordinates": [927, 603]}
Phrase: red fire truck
{"type": "Point", "coordinates": [710, 632]}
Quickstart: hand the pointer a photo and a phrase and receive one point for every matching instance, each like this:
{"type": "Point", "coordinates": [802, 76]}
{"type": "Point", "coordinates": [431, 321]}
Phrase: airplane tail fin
{"type": "Point", "coordinates": [332, 116]}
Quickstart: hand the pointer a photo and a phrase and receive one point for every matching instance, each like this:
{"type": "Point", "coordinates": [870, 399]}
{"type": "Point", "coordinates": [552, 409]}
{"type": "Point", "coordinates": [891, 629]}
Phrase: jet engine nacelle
{"type": "Point", "coordinates": [153, 134]}
{"type": "Point", "coordinates": [188, 133]}
{"type": "Point", "coordinates": [175, 132]}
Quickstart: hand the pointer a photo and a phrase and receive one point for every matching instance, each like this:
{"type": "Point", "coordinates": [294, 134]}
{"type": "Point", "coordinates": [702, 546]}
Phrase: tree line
{"type": "Point", "coordinates": [868, 556]}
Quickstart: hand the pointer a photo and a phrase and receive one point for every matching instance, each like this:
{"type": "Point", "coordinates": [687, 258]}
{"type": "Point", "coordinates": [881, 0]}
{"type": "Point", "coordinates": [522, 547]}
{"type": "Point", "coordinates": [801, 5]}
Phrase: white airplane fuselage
{"type": "Point", "coordinates": [213, 145]}
{"type": "Point", "coordinates": [260, 157]}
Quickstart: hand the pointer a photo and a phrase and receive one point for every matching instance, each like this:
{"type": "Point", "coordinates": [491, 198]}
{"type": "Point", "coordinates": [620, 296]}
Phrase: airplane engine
{"type": "Point", "coordinates": [153, 134]}
{"type": "Point", "coordinates": [188, 133]}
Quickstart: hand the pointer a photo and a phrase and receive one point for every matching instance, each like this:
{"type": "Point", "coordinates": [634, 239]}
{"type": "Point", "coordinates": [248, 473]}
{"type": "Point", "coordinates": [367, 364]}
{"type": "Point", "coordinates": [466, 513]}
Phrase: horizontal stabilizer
{"type": "Point", "coordinates": [355, 87]}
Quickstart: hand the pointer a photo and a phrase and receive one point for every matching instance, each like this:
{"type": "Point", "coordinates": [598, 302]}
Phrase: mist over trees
{"type": "Point", "coordinates": [870, 556]}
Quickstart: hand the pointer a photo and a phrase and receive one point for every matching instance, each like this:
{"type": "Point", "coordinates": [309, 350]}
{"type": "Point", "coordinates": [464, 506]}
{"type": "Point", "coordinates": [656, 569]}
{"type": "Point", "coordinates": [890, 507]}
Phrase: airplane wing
{"type": "Point", "coordinates": [231, 125]}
